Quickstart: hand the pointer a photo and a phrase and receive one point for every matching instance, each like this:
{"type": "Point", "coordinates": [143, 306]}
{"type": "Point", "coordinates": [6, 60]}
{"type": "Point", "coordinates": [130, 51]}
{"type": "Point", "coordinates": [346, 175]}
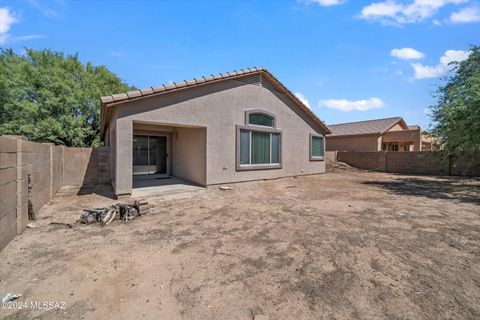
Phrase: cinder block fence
{"type": "Point", "coordinates": [31, 173]}
{"type": "Point", "coordinates": [421, 162]}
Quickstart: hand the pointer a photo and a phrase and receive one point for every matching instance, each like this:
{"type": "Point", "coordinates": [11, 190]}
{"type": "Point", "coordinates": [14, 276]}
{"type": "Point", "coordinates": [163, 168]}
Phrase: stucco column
{"type": "Point", "coordinates": [124, 140]}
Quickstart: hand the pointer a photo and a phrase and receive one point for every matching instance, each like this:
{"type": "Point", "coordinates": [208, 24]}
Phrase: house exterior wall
{"type": "Point", "coordinates": [112, 144]}
{"type": "Point", "coordinates": [404, 136]}
{"type": "Point", "coordinates": [353, 143]}
{"type": "Point", "coordinates": [189, 154]}
{"type": "Point", "coordinates": [396, 127]}
{"type": "Point", "coordinates": [219, 107]}
{"type": "Point", "coordinates": [369, 143]}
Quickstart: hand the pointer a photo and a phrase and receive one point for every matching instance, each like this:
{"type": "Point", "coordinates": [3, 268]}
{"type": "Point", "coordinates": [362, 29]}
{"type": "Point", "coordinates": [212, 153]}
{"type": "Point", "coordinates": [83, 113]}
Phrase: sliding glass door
{"type": "Point", "coordinates": [150, 155]}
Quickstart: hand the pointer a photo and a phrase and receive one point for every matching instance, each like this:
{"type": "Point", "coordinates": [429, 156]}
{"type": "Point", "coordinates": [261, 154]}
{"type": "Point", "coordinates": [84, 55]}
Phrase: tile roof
{"type": "Point", "coordinates": [377, 126]}
{"type": "Point", "coordinates": [175, 85]}
{"type": "Point", "coordinates": [115, 99]}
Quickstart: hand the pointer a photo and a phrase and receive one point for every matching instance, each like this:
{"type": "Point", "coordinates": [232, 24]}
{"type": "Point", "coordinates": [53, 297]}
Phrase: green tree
{"type": "Point", "coordinates": [456, 114]}
{"type": "Point", "coordinates": [48, 96]}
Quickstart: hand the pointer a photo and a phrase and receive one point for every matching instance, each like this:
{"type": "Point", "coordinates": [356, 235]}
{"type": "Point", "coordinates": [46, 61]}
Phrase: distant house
{"type": "Point", "coordinates": [390, 134]}
{"type": "Point", "coordinates": [235, 126]}
{"type": "Point", "coordinates": [431, 142]}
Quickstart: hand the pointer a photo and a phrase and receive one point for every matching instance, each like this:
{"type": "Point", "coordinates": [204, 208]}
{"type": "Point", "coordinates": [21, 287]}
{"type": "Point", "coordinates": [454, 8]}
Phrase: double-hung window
{"type": "Point", "coordinates": [317, 147]}
{"type": "Point", "coordinates": [258, 142]}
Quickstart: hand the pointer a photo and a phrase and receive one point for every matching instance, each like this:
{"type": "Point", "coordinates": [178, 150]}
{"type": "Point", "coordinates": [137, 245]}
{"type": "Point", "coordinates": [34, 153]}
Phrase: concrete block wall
{"type": "Point", "coordinates": [103, 165]}
{"type": "Point", "coordinates": [429, 163]}
{"type": "Point", "coordinates": [8, 190]}
{"type": "Point", "coordinates": [41, 176]}
{"type": "Point", "coordinates": [56, 167]}
{"type": "Point", "coordinates": [76, 163]}
{"type": "Point", "coordinates": [25, 158]}
{"type": "Point", "coordinates": [31, 173]}
{"type": "Point", "coordinates": [86, 166]}
{"type": "Point", "coordinates": [363, 160]}
{"type": "Point", "coordinates": [465, 166]}
{"type": "Point", "coordinates": [418, 162]}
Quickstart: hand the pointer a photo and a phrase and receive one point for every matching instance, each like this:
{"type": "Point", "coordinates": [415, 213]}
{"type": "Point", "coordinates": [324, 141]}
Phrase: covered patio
{"type": "Point", "coordinates": [402, 140]}
{"type": "Point", "coordinates": [167, 158]}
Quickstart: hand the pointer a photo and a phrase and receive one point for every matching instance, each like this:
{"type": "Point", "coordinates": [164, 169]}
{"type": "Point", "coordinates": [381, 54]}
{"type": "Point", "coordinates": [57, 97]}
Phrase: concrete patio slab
{"type": "Point", "coordinates": [163, 186]}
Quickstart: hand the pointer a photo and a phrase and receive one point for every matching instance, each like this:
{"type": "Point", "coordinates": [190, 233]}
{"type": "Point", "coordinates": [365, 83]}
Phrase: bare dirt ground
{"type": "Point", "coordinates": [343, 245]}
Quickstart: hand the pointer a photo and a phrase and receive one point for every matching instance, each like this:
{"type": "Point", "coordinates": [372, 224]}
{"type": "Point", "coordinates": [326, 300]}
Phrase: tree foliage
{"type": "Point", "coordinates": [48, 96]}
{"type": "Point", "coordinates": [456, 114]}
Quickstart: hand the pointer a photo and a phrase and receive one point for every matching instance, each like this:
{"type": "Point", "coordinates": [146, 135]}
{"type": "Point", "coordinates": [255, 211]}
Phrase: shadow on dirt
{"type": "Point", "coordinates": [447, 188]}
{"type": "Point", "coordinates": [104, 190]}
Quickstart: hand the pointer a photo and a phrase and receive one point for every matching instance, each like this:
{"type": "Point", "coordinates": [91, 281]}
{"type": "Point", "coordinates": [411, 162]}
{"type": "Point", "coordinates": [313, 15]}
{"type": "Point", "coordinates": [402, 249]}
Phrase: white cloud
{"type": "Point", "coordinates": [324, 3]}
{"type": "Point", "coordinates": [6, 21]}
{"type": "Point", "coordinates": [302, 98]}
{"type": "Point", "coordinates": [425, 72]}
{"type": "Point", "coordinates": [395, 13]}
{"type": "Point", "coordinates": [466, 15]}
{"type": "Point", "coordinates": [349, 105]}
{"type": "Point", "coordinates": [407, 54]}
{"type": "Point", "coordinates": [454, 55]}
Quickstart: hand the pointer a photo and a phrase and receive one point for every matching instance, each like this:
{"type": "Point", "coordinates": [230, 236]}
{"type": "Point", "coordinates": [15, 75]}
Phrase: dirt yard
{"type": "Point", "coordinates": [343, 245]}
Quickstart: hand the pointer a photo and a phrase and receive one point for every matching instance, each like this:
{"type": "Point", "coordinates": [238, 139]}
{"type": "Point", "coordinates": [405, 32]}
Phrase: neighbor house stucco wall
{"type": "Point", "coordinates": [219, 107]}
{"type": "Point", "coordinates": [353, 143]}
{"type": "Point", "coordinates": [414, 136]}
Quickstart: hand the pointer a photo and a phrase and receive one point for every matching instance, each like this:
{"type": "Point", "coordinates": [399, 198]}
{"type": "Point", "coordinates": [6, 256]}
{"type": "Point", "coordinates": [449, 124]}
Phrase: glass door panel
{"type": "Point", "coordinates": [158, 155]}
{"type": "Point", "coordinates": [140, 155]}
{"type": "Point", "coordinates": [149, 155]}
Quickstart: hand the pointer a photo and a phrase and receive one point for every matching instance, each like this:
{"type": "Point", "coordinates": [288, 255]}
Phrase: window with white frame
{"type": "Point", "coordinates": [258, 142]}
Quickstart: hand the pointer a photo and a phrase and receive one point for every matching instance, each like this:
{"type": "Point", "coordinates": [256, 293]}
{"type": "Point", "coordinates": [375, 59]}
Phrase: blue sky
{"type": "Point", "coordinates": [351, 59]}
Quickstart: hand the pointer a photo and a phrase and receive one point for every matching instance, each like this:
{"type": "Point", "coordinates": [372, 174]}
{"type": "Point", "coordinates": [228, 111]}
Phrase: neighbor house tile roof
{"type": "Point", "coordinates": [377, 126]}
{"type": "Point", "coordinates": [115, 99]}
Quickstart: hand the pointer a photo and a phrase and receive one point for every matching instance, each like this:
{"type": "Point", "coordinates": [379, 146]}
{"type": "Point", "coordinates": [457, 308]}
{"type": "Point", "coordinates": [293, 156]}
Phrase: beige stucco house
{"type": "Point", "coordinates": [235, 126]}
{"type": "Point", "coordinates": [390, 134]}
